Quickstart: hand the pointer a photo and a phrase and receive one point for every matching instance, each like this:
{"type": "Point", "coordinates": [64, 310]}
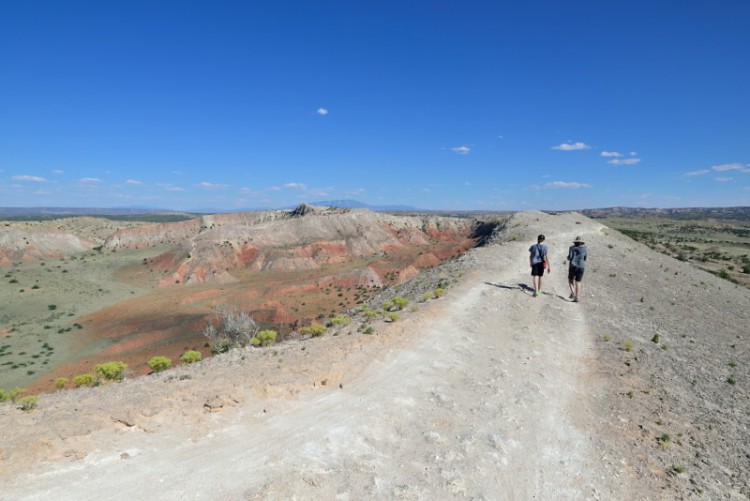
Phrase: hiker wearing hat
{"type": "Point", "coordinates": [577, 258]}
{"type": "Point", "coordinates": [538, 261]}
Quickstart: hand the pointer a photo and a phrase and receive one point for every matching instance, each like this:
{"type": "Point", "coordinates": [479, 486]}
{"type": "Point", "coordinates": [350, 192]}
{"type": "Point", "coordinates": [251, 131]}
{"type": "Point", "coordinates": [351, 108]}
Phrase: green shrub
{"type": "Point", "coordinates": [112, 371]}
{"type": "Point", "coordinates": [51, 307]}
{"type": "Point", "coordinates": [369, 330]}
{"type": "Point", "coordinates": [87, 379]}
{"type": "Point", "coordinates": [370, 313]}
{"type": "Point", "coordinates": [427, 296]}
{"type": "Point", "coordinates": [388, 305]}
{"type": "Point", "coordinates": [315, 330]}
{"type": "Point", "coordinates": [339, 320]}
{"type": "Point", "coordinates": [400, 303]}
{"type": "Point", "coordinates": [28, 403]}
{"type": "Point", "coordinates": [191, 356]}
{"type": "Point", "coordinates": [439, 292]}
{"type": "Point", "coordinates": [264, 338]}
{"type": "Point", "coordinates": [393, 316]}
{"type": "Point", "coordinates": [159, 363]}
{"type": "Point", "coordinates": [61, 382]}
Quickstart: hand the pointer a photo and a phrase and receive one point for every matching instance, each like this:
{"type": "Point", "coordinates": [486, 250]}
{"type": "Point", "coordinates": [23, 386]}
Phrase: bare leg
{"type": "Point", "coordinates": [579, 289]}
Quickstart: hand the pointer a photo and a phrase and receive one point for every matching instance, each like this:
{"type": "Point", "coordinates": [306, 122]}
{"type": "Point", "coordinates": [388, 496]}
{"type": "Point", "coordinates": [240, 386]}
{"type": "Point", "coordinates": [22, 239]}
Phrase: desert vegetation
{"type": "Point", "coordinates": [717, 241]}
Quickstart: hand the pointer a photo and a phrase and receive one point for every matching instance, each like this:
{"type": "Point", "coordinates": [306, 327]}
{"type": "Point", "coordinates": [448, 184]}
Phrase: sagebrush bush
{"type": "Point", "coordinates": [159, 363]}
{"type": "Point", "coordinates": [339, 320]}
{"type": "Point", "coordinates": [234, 329]}
{"type": "Point", "coordinates": [370, 313]}
{"type": "Point", "coordinates": [264, 338]}
{"type": "Point", "coordinates": [191, 356]}
{"type": "Point", "coordinates": [61, 382]}
{"type": "Point", "coordinates": [393, 316]}
{"type": "Point", "coordinates": [12, 395]}
{"type": "Point", "coordinates": [439, 292]}
{"type": "Point", "coordinates": [28, 403]}
{"type": "Point", "coordinates": [315, 330]}
{"type": "Point", "coordinates": [400, 303]}
{"type": "Point", "coordinates": [111, 371]}
{"type": "Point", "coordinates": [87, 379]}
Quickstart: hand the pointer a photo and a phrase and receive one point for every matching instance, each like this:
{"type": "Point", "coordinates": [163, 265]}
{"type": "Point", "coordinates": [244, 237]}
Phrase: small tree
{"type": "Point", "coordinates": [159, 363]}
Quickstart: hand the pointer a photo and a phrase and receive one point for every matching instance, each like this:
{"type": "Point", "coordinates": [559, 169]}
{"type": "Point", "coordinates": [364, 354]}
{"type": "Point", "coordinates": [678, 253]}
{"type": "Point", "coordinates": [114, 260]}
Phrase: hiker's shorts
{"type": "Point", "coordinates": [537, 270]}
{"type": "Point", "coordinates": [575, 273]}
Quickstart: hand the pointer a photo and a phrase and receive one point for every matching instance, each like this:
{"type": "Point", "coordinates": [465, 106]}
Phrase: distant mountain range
{"type": "Point", "coordinates": [51, 212]}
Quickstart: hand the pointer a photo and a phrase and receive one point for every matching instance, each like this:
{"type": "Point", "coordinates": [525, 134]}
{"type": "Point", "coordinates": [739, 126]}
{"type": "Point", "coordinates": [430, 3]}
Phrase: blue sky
{"type": "Point", "coordinates": [487, 105]}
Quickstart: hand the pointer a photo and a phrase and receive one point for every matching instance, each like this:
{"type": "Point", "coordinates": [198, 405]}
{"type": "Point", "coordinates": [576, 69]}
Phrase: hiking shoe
{"type": "Point", "coordinates": [536, 293]}
{"type": "Point", "coordinates": [572, 295]}
{"type": "Point", "coordinates": [575, 299]}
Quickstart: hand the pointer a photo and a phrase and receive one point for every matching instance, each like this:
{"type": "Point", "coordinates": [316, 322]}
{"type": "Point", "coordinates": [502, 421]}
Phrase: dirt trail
{"type": "Point", "coordinates": [481, 395]}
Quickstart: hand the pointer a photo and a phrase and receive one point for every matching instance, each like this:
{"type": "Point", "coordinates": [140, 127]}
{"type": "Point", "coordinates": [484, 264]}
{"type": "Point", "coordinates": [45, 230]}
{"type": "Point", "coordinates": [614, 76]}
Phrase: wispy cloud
{"type": "Point", "coordinates": [699, 172]}
{"type": "Point", "coordinates": [30, 179]}
{"type": "Point", "coordinates": [624, 161]}
{"type": "Point", "coordinates": [569, 146]}
{"type": "Point", "coordinates": [295, 185]}
{"type": "Point", "coordinates": [723, 179]}
{"type": "Point", "coordinates": [730, 167]}
{"type": "Point", "coordinates": [461, 150]}
{"type": "Point", "coordinates": [610, 154]}
{"type": "Point", "coordinates": [322, 112]}
{"type": "Point", "coordinates": [566, 184]}
{"type": "Point", "coordinates": [169, 187]}
{"type": "Point", "coordinates": [90, 180]}
{"type": "Point", "coordinates": [133, 182]}
{"type": "Point", "coordinates": [58, 171]}
{"type": "Point", "coordinates": [211, 186]}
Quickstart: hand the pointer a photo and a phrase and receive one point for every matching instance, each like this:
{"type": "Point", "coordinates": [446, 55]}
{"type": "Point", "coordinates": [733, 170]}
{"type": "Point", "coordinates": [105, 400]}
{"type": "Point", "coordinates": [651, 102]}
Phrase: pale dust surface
{"type": "Point", "coordinates": [485, 393]}
{"type": "Point", "coordinates": [482, 395]}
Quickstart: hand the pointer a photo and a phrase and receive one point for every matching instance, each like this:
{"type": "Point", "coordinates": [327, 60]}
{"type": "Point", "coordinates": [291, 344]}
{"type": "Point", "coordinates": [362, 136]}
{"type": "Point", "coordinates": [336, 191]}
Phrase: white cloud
{"type": "Point", "coordinates": [571, 146]}
{"type": "Point", "coordinates": [728, 167]}
{"type": "Point", "coordinates": [565, 184]}
{"type": "Point", "coordinates": [90, 180]}
{"type": "Point", "coordinates": [697, 172]}
{"type": "Point", "coordinates": [633, 153]}
{"type": "Point", "coordinates": [58, 171]}
{"type": "Point", "coordinates": [624, 161]}
{"type": "Point", "coordinates": [322, 112]}
{"type": "Point", "coordinates": [169, 187]}
{"type": "Point", "coordinates": [723, 179]}
{"type": "Point", "coordinates": [133, 181]}
{"type": "Point", "coordinates": [610, 154]}
{"type": "Point", "coordinates": [295, 185]}
{"type": "Point", "coordinates": [211, 186]}
{"type": "Point", "coordinates": [461, 150]}
{"type": "Point", "coordinates": [30, 179]}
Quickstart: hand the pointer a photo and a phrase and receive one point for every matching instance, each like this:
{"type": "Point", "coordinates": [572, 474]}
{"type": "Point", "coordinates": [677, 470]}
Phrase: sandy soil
{"type": "Point", "coordinates": [486, 393]}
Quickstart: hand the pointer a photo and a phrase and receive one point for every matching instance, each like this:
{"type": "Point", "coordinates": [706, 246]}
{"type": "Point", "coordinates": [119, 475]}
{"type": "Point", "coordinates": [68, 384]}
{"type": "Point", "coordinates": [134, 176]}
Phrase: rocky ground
{"type": "Point", "coordinates": [638, 392]}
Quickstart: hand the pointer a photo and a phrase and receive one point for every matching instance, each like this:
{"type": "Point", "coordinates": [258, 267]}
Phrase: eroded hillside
{"type": "Point", "coordinates": [164, 281]}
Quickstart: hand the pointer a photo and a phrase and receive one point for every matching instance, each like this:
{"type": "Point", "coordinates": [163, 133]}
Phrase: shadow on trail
{"type": "Point", "coordinates": [521, 287]}
{"type": "Point", "coordinates": [526, 289]}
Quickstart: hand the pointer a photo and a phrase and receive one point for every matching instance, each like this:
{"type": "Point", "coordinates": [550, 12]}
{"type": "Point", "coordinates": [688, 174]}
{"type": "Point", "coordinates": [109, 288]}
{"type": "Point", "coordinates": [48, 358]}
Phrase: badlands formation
{"type": "Point", "coordinates": [638, 392]}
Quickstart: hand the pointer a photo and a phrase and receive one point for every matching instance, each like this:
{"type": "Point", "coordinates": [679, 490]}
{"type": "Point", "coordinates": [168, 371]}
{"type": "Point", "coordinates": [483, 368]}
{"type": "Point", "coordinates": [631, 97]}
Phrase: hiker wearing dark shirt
{"type": "Point", "coordinates": [577, 255]}
{"type": "Point", "coordinates": [538, 261]}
